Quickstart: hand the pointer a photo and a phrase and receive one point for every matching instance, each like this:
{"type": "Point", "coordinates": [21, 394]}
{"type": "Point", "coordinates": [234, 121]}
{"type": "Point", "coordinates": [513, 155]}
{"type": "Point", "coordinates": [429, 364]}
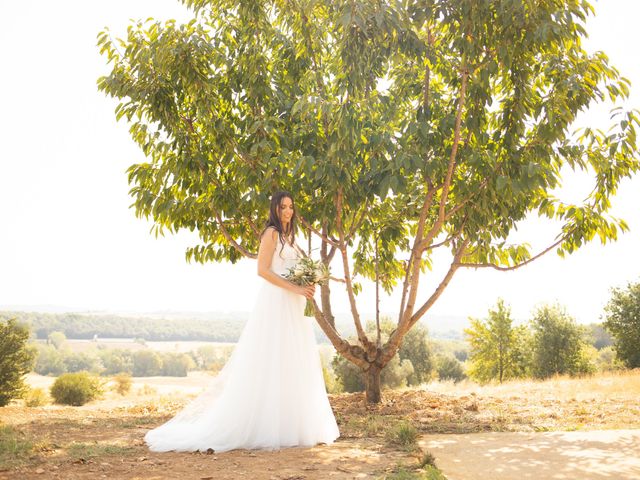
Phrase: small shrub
{"type": "Point", "coordinates": [15, 446]}
{"type": "Point", "coordinates": [449, 369]}
{"type": "Point", "coordinates": [122, 383]}
{"type": "Point", "coordinates": [403, 434]}
{"type": "Point", "coordinates": [147, 390]}
{"type": "Point", "coordinates": [75, 388]}
{"type": "Point", "coordinates": [427, 460]}
{"type": "Point", "coordinates": [36, 397]}
{"type": "Point", "coordinates": [373, 425]}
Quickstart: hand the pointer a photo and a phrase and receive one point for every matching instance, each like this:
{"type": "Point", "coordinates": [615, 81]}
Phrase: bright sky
{"type": "Point", "coordinates": [69, 242]}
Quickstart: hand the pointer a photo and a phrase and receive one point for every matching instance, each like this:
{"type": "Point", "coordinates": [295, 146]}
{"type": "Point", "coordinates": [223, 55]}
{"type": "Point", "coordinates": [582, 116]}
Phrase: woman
{"type": "Point", "coordinates": [271, 392]}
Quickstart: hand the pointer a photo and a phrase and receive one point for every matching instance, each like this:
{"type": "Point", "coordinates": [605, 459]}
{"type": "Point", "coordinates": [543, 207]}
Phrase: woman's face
{"type": "Point", "coordinates": [285, 210]}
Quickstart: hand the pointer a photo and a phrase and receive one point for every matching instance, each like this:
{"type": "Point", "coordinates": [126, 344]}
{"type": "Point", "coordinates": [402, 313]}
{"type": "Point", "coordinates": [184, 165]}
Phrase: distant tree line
{"type": "Point", "coordinates": [84, 326]}
{"type": "Point", "coordinates": [81, 326]}
{"type": "Point", "coordinates": [55, 358]}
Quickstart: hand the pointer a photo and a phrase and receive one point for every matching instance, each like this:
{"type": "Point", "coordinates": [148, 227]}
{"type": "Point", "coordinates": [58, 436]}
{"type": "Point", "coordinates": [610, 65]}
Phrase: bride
{"type": "Point", "coordinates": [271, 392]}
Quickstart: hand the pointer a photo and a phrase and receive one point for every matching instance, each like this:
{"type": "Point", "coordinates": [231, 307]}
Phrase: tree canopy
{"type": "Point", "coordinates": [499, 350]}
{"type": "Point", "coordinates": [622, 319]}
{"type": "Point", "coordinates": [400, 128]}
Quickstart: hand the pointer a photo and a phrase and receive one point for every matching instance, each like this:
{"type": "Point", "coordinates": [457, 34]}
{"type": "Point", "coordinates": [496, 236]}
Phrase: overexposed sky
{"type": "Point", "coordinates": [68, 240]}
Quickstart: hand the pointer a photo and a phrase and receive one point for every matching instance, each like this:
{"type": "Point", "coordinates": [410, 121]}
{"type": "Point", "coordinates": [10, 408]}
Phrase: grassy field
{"type": "Point", "coordinates": [104, 438]}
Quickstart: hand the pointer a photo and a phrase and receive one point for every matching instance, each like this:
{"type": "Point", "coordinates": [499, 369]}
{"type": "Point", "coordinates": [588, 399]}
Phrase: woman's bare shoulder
{"type": "Point", "coordinates": [273, 231]}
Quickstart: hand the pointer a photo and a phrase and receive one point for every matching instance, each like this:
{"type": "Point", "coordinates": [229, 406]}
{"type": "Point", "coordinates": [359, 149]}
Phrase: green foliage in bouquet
{"type": "Point", "coordinates": [308, 272]}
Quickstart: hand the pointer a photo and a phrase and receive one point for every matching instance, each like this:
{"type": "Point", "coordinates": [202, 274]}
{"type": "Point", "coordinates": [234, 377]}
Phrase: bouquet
{"type": "Point", "coordinates": [308, 272]}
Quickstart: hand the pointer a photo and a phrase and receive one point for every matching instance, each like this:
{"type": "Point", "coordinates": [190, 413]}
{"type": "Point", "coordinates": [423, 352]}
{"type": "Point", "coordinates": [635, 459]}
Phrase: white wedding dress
{"type": "Point", "coordinates": [271, 392]}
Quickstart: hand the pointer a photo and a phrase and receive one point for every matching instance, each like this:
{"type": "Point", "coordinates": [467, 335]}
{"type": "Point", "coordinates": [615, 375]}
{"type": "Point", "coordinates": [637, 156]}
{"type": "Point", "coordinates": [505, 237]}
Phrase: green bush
{"type": "Point", "coordinates": [116, 360]}
{"type": "Point", "coordinates": [36, 397]}
{"type": "Point", "coordinates": [449, 368]}
{"type": "Point", "coordinates": [403, 434]}
{"type": "Point", "coordinates": [81, 361]}
{"type": "Point", "coordinates": [49, 361]}
{"type": "Point", "coordinates": [176, 364]}
{"type": "Point", "coordinates": [75, 388]}
{"type": "Point", "coordinates": [348, 374]}
{"type": "Point", "coordinates": [146, 363]}
{"type": "Point", "coordinates": [212, 357]}
{"type": "Point", "coordinates": [607, 361]}
{"type": "Point", "coordinates": [57, 339]}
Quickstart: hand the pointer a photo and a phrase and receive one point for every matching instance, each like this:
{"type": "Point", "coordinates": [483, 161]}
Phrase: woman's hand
{"type": "Point", "coordinates": [306, 291]}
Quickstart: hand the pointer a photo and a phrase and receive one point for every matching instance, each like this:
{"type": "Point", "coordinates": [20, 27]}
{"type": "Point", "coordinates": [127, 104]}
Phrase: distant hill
{"type": "Point", "coordinates": [184, 326]}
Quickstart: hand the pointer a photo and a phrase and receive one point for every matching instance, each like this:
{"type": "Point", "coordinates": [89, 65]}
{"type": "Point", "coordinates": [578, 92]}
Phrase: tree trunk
{"type": "Point", "coordinates": [372, 384]}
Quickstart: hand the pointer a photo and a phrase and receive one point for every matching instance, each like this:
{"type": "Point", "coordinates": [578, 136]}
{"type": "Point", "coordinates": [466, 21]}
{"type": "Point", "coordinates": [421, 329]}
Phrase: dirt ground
{"type": "Point", "coordinates": [583, 455]}
{"type": "Point", "coordinates": [104, 439]}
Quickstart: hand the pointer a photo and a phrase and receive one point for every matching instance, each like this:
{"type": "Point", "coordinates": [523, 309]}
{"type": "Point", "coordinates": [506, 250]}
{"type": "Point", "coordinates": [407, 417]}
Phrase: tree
{"type": "Point", "coordinates": [57, 339]}
{"type": "Point", "coordinates": [16, 360]}
{"type": "Point", "coordinates": [146, 363]}
{"type": "Point", "coordinates": [49, 361]}
{"type": "Point", "coordinates": [176, 364]}
{"type": "Point", "coordinates": [411, 366]}
{"type": "Point", "coordinates": [498, 349]}
{"type": "Point", "coordinates": [449, 368]}
{"type": "Point", "coordinates": [601, 338]}
{"type": "Point", "coordinates": [622, 315]}
{"type": "Point", "coordinates": [116, 360]}
{"type": "Point", "coordinates": [417, 349]}
{"type": "Point", "coordinates": [400, 129]}
{"type": "Point", "coordinates": [558, 344]}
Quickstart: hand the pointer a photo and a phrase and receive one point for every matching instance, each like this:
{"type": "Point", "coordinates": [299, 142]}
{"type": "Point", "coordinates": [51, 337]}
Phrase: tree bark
{"type": "Point", "coordinates": [372, 384]}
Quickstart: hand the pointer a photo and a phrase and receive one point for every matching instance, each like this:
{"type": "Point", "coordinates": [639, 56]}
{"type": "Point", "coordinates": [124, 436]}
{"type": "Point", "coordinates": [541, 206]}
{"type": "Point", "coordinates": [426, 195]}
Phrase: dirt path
{"type": "Point", "coordinates": [583, 455]}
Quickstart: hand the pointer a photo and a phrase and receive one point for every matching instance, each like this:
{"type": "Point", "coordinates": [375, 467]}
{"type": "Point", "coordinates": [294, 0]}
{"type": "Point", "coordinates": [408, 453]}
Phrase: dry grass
{"type": "Point", "coordinates": [605, 401]}
{"type": "Point", "coordinates": [623, 386]}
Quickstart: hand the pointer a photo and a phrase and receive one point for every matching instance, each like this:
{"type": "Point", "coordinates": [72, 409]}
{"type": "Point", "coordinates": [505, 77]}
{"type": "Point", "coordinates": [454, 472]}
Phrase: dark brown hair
{"type": "Point", "coordinates": [274, 219]}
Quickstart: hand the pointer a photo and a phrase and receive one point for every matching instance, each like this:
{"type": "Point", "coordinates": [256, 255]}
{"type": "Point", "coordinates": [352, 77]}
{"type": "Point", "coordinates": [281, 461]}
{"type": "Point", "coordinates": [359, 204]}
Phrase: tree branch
{"type": "Point", "coordinates": [392, 345]}
{"type": "Point", "coordinates": [513, 267]}
{"type": "Point", "coordinates": [416, 251]}
{"type": "Point", "coordinates": [441, 287]}
{"type": "Point", "coordinates": [354, 353]}
{"type": "Point", "coordinates": [454, 147]}
{"type": "Point", "coordinates": [466, 200]}
{"type": "Point", "coordinates": [230, 239]}
{"type": "Point", "coordinates": [325, 238]}
{"type": "Point", "coordinates": [347, 275]}
{"type": "Point", "coordinates": [423, 243]}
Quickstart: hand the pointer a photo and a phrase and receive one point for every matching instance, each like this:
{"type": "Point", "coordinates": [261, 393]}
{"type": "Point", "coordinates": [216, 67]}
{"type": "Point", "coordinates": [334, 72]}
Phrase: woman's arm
{"type": "Point", "coordinates": [265, 254]}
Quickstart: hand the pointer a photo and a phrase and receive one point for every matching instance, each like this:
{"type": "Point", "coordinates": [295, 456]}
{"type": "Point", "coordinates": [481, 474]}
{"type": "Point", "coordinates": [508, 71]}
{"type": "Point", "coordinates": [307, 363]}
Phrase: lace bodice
{"type": "Point", "coordinates": [285, 259]}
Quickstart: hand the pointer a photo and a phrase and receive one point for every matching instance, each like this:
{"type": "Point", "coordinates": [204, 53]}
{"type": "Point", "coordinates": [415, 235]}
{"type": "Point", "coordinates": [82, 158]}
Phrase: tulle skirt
{"type": "Point", "coordinates": [269, 395]}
